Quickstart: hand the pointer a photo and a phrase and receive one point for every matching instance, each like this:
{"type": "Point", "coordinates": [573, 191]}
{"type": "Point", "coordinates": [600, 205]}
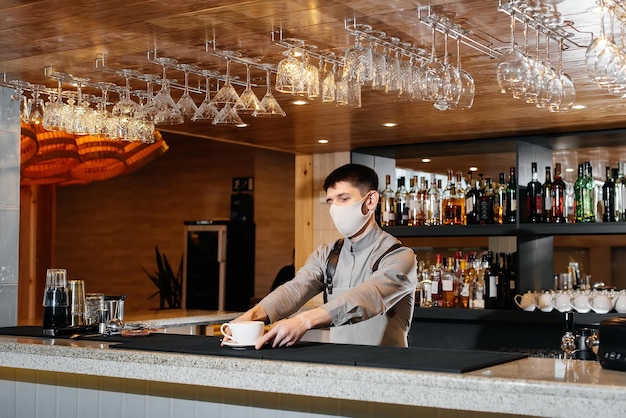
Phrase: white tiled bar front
{"type": "Point", "coordinates": [49, 378]}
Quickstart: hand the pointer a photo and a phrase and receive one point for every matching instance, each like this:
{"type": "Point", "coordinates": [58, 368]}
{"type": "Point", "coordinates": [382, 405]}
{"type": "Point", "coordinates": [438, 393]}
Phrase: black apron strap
{"type": "Point", "coordinates": [331, 267]}
{"type": "Point", "coordinates": [390, 249]}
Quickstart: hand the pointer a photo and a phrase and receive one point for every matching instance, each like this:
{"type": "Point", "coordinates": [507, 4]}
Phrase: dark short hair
{"type": "Point", "coordinates": [360, 176]}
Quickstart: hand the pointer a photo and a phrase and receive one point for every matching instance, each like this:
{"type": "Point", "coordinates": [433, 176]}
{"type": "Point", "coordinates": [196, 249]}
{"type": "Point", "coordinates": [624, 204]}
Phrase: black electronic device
{"type": "Point", "coordinates": [612, 347]}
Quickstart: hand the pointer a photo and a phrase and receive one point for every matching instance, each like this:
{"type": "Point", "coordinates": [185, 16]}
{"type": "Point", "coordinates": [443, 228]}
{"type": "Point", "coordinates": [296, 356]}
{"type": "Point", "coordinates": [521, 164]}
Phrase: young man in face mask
{"type": "Point", "coordinates": [370, 300]}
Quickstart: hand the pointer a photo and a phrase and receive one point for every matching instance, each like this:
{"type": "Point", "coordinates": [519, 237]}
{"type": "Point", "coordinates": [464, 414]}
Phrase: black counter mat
{"type": "Point", "coordinates": [420, 359]}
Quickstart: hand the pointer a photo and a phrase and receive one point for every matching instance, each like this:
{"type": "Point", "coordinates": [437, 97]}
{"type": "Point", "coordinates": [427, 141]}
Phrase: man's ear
{"type": "Point", "coordinates": [372, 200]}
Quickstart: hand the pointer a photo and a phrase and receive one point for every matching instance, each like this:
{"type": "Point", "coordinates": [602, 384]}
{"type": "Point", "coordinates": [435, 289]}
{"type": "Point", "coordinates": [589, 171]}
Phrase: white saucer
{"type": "Point", "coordinates": [235, 344]}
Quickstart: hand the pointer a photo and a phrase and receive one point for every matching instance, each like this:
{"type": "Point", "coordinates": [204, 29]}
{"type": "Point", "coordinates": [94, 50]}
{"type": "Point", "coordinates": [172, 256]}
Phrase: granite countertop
{"type": "Point", "coordinates": [531, 386]}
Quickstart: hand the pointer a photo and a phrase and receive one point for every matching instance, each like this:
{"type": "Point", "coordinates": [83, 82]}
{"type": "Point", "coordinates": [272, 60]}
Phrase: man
{"type": "Point", "coordinates": [370, 298]}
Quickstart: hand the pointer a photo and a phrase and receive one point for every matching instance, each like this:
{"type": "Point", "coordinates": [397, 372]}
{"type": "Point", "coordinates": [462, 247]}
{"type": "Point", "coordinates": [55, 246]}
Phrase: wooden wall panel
{"type": "Point", "coordinates": [106, 231]}
{"type": "Point", "coordinates": [274, 215]}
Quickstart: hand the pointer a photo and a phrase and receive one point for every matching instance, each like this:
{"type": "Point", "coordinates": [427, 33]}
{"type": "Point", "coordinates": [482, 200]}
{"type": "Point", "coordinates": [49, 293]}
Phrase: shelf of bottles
{"type": "Point", "coordinates": [483, 207]}
{"type": "Point", "coordinates": [467, 282]}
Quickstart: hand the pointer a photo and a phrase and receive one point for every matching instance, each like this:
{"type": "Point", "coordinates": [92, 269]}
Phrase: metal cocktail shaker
{"type": "Point", "coordinates": [55, 302]}
{"type": "Point", "coordinates": [77, 302]}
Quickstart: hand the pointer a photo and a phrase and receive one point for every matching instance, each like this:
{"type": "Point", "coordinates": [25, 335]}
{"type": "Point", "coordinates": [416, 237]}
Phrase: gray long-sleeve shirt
{"type": "Point", "coordinates": [371, 308]}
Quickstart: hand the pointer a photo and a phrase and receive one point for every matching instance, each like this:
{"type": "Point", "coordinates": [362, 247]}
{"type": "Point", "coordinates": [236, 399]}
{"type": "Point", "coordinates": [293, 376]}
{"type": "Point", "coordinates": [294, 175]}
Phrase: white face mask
{"type": "Point", "coordinates": [349, 219]}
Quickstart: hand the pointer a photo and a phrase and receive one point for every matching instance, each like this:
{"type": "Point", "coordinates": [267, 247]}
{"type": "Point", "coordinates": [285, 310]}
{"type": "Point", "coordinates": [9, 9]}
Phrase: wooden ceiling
{"type": "Point", "coordinates": [69, 36]}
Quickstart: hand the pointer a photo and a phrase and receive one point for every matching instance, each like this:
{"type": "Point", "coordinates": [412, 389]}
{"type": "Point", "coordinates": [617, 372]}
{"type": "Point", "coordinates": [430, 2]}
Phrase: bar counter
{"type": "Point", "coordinates": [115, 382]}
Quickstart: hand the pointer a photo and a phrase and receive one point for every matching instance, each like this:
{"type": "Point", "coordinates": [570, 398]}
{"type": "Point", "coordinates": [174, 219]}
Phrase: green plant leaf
{"type": "Point", "coordinates": [168, 283]}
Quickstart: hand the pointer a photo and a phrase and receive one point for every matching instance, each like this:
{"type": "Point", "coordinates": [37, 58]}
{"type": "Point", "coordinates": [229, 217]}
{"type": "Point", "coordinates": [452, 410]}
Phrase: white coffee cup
{"type": "Point", "coordinates": [244, 332]}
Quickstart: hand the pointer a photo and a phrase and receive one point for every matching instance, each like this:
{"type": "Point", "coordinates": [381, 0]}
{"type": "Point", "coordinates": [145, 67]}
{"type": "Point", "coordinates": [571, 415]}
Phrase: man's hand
{"type": "Point", "coordinates": [287, 332]}
{"type": "Point", "coordinates": [284, 333]}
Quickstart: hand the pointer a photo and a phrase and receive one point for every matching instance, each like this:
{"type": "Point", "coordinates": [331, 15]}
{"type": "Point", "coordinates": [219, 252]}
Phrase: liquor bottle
{"type": "Point", "coordinates": [547, 200]}
{"type": "Point", "coordinates": [412, 202]}
{"type": "Point", "coordinates": [402, 209]}
{"type": "Point", "coordinates": [557, 196]}
{"type": "Point", "coordinates": [473, 204]}
{"type": "Point", "coordinates": [589, 197]}
{"type": "Point", "coordinates": [491, 281]}
{"type": "Point", "coordinates": [478, 286]}
{"type": "Point", "coordinates": [448, 201]}
{"type": "Point", "coordinates": [422, 198]}
{"type": "Point", "coordinates": [426, 297]}
{"type": "Point", "coordinates": [467, 291]}
{"type": "Point", "coordinates": [464, 286]}
{"type": "Point", "coordinates": [448, 284]}
{"type": "Point", "coordinates": [500, 199]}
{"type": "Point", "coordinates": [510, 209]}
{"type": "Point", "coordinates": [620, 194]}
{"type": "Point", "coordinates": [486, 204]}
{"type": "Point", "coordinates": [433, 204]}
{"type": "Point", "coordinates": [503, 285]}
{"type": "Point", "coordinates": [435, 278]}
{"type": "Point", "coordinates": [578, 194]}
{"type": "Point", "coordinates": [534, 197]}
{"type": "Point", "coordinates": [461, 191]}
{"type": "Point", "coordinates": [387, 204]}
{"type": "Point", "coordinates": [618, 191]}
{"type": "Point", "coordinates": [511, 271]}
{"type": "Point", "coordinates": [608, 197]}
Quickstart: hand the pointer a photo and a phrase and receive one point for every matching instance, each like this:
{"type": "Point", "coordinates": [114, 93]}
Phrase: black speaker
{"type": "Point", "coordinates": [241, 207]}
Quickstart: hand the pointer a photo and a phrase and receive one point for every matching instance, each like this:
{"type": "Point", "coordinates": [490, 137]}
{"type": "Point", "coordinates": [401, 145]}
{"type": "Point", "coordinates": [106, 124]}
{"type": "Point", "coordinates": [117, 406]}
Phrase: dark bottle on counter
{"type": "Point", "coordinates": [402, 208]}
{"type": "Point", "coordinates": [608, 197]}
{"type": "Point", "coordinates": [534, 197]}
{"type": "Point", "coordinates": [56, 311]}
{"type": "Point", "coordinates": [557, 196]}
{"type": "Point", "coordinates": [547, 199]}
{"type": "Point", "coordinates": [510, 210]}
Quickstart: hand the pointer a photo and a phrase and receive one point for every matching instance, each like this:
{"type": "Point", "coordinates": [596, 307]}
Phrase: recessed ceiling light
{"type": "Point", "coordinates": [473, 169]}
{"type": "Point", "coordinates": [425, 160]}
{"type": "Point", "coordinates": [390, 124]}
{"type": "Point", "coordinates": [299, 102]}
{"type": "Point", "coordinates": [569, 170]}
{"type": "Point", "coordinates": [322, 141]}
